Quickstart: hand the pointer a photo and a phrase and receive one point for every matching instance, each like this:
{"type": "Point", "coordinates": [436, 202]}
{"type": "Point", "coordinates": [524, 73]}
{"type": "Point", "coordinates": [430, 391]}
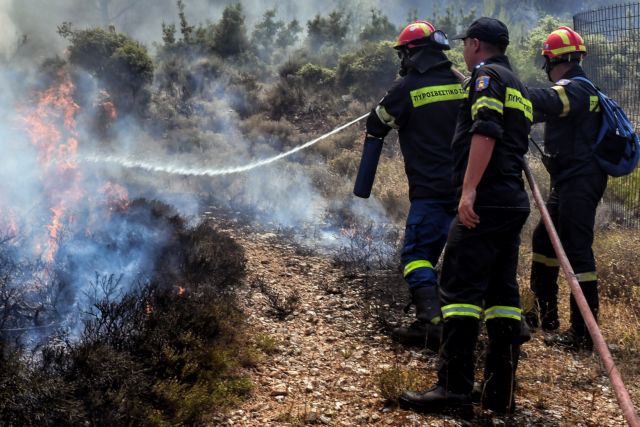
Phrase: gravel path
{"type": "Point", "coordinates": [329, 355]}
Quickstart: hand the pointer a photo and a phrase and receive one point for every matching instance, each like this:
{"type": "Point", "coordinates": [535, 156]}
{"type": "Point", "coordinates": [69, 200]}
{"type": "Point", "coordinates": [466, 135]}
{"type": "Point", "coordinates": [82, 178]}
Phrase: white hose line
{"type": "Point", "coordinates": [190, 171]}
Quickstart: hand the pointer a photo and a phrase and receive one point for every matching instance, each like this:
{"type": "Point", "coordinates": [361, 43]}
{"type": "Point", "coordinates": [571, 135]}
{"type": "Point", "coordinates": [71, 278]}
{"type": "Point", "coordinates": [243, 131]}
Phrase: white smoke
{"type": "Point", "coordinates": [8, 32]}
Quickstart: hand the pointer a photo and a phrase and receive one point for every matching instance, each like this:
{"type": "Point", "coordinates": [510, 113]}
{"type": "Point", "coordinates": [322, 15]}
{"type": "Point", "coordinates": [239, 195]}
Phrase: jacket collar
{"type": "Point", "coordinates": [428, 59]}
{"type": "Point", "coordinates": [497, 59]}
{"type": "Point", "coordinates": [575, 71]}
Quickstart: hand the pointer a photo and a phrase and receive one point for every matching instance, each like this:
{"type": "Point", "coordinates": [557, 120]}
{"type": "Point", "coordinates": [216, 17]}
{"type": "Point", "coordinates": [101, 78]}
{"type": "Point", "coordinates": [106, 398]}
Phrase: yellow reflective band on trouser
{"type": "Point", "coordinates": [430, 94]}
{"type": "Point", "coordinates": [549, 262]}
{"type": "Point", "coordinates": [503, 312]}
{"type": "Point", "coordinates": [486, 102]}
{"type": "Point", "coordinates": [589, 276]}
{"type": "Point", "coordinates": [594, 103]}
{"type": "Point", "coordinates": [421, 263]}
{"type": "Point", "coordinates": [514, 99]}
{"type": "Point", "coordinates": [468, 310]}
{"type": "Point", "coordinates": [385, 117]}
{"type": "Point", "coordinates": [562, 94]}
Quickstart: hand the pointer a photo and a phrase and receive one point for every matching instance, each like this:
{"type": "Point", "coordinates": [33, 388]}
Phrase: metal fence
{"type": "Point", "coordinates": [612, 37]}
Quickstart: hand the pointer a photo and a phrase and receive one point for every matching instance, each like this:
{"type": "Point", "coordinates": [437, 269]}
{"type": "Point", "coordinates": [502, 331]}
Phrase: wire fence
{"type": "Point", "coordinates": [612, 37]}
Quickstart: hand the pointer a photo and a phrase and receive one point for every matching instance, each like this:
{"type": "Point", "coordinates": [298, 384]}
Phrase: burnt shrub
{"type": "Point", "coordinates": [169, 350]}
{"type": "Point", "coordinates": [284, 98]}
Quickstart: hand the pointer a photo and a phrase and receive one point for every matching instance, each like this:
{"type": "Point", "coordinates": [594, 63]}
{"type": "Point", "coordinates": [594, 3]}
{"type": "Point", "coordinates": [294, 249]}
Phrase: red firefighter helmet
{"type": "Point", "coordinates": [421, 33]}
{"type": "Point", "coordinates": [563, 41]}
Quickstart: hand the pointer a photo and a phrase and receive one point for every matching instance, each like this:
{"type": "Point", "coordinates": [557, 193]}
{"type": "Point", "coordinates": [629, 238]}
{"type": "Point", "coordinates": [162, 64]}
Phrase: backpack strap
{"type": "Point", "coordinates": [586, 80]}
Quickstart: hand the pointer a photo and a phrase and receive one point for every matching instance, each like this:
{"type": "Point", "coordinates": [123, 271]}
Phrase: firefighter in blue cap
{"type": "Point", "coordinates": [478, 278]}
{"type": "Point", "coordinates": [422, 105]}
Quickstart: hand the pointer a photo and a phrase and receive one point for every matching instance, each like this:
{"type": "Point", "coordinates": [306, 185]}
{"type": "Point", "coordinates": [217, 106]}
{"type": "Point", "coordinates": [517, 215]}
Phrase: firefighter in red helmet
{"type": "Point", "coordinates": [422, 106]}
{"type": "Point", "coordinates": [572, 115]}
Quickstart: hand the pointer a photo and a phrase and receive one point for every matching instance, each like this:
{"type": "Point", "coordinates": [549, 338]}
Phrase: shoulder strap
{"type": "Point", "coordinates": [586, 80]}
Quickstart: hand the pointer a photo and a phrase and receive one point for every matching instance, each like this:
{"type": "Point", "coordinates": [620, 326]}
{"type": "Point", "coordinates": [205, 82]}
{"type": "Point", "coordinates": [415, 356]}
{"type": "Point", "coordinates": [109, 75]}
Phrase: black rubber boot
{"type": "Point", "coordinates": [455, 374]}
{"type": "Point", "coordinates": [422, 332]}
{"type": "Point", "coordinates": [579, 328]}
{"type": "Point", "coordinates": [577, 337]}
{"type": "Point", "coordinates": [543, 314]}
{"type": "Point", "coordinates": [545, 287]}
{"type": "Point", "coordinates": [569, 340]}
{"type": "Point", "coordinates": [457, 354]}
{"type": "Point", "coordinates": [419, 334]}
{"type": "Point", "coordinates": [549, 320]}
{"type": "Point", "coordinates": [525, 332]}
{"type": "Point", "coordinates": [436, 399]}
{"type": "Point", "coordinates": [498, 391]}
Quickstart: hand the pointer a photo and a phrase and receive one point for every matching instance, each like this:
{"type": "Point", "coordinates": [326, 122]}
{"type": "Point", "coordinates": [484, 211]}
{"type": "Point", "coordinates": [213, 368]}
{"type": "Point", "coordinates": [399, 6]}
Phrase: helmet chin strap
{"type": "Point", "coordinates": [548, 65]}
{"type": "Point", "coordinates": [405, 62]}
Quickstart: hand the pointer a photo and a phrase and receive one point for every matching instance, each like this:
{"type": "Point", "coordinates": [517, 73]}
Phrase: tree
{"type": "Point", "coordinates": [378, 28]}
{"type": "Point", "coordinates": [525, 53]}
{"type": "Point", "coordinates": [327, 30]}
{"type": "Point", "coordinates": [264, 34]}
{"type": "Point", "coordinates": [230, 34]}
{"type": "Point", "coordinates": [288, 36]}
{"type": "Point", "coordinates": [121, 64]}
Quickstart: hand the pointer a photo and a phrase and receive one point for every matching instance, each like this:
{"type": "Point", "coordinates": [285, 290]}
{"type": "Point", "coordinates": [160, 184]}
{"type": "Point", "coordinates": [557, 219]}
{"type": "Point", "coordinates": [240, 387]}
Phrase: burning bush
{"type": "Point", "coordinates": [155, 354]}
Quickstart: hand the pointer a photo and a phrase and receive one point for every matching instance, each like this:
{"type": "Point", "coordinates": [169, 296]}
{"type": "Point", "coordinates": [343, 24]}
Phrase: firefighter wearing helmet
{"type": "Point", "coordinates": [478, 278]}
{"type": "Point", "coordinates": [422, 106]}
{"type": "Point", "coordinates": [572, 115]}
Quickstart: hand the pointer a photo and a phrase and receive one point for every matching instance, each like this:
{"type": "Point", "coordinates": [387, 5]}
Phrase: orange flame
{"type": "Point", "coordinates": [115, 195]}
{"type": "Point", "coordinates": [51, 126]}
{"type": "Point", "coordinates": [54, 233]}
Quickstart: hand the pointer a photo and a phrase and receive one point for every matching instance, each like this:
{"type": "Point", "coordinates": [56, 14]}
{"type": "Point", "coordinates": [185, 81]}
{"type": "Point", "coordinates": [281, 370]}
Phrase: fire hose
{"type": "Point", "coordinates": [622, 395]}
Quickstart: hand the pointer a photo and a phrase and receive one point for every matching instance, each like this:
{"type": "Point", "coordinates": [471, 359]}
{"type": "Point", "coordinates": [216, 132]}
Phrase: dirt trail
{"type": "Point", "coordinates": [328, 356]}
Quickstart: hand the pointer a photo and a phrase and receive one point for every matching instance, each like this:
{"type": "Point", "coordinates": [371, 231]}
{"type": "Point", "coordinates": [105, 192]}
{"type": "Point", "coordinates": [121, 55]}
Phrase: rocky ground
{"type": "Point", "coordinates": [329, 361]}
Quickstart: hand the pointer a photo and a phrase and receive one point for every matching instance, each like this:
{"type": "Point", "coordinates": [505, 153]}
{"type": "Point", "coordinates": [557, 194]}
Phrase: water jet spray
{"type": "Point", "coordinates": [191, 171]}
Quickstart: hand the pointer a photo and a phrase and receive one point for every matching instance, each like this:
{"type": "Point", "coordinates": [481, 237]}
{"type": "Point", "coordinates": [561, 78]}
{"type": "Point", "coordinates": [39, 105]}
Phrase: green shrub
{"type": "Point", "coordinates": [369, 71]}
{"type": "Point", "coordinates": [314, 75]}
{"type": "Point", "coordinates": [120, 63]}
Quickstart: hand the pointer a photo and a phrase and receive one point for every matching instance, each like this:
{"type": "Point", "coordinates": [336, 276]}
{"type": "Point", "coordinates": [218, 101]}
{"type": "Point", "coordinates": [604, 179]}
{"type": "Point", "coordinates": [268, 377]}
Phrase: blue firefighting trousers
{"type": "Point", "coordinates": [425, 235]}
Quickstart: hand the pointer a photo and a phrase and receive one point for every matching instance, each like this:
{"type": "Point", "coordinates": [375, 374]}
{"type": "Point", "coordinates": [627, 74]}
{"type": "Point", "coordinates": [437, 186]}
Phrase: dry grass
{"type": "Point", "coordinates": [392, 382]}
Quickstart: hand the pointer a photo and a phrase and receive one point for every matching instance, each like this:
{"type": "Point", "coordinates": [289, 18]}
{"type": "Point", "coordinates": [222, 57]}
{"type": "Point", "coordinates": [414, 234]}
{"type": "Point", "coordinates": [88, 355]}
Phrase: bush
{"type": "Point", "coordinates": [368, 72]}
{"type": "Point", "coordinates": [156, 355]}
{"type": "Point", "coordinates": [315, 75]}
{"type": "Point", "coordinates": [284, 98]}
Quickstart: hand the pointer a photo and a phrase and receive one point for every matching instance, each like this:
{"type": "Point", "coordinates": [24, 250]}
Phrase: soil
{"type": "Point", "coordinates": [331, 352]}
